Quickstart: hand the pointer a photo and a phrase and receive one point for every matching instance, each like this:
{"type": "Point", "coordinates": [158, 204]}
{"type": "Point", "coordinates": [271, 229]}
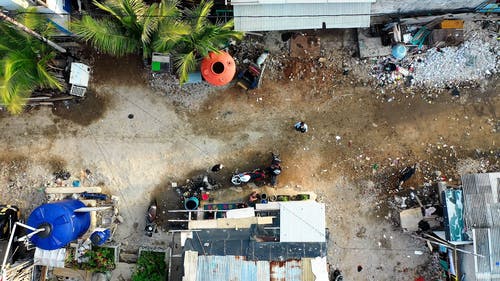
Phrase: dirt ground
{"type": "Point", "coordinates": [351, 128]}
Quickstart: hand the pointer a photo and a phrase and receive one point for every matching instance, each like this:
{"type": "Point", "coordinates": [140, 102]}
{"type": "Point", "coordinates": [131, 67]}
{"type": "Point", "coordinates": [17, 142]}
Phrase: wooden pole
{"type": "Point", "coordinates": [31, 32]}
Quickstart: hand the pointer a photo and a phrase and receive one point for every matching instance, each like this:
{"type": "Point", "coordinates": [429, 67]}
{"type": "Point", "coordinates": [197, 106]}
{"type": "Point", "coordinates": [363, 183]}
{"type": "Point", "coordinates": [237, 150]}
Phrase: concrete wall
{"type": "Point", "coordinates": [406, 6]}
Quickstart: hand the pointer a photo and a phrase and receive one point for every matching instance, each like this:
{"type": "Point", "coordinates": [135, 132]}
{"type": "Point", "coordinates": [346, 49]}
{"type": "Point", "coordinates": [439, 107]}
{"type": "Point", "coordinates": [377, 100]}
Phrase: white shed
{"type": "Point", "coordinates": [269, 15]}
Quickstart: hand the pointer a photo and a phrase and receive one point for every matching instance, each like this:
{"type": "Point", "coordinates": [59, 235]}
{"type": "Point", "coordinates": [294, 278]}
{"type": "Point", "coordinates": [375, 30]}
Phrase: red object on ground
{"type": "Point", "coordinates": [218, 68]}
{"type": "Point", "coordinates": [420, 279]}
{"type": "Point", "coordinates": [205, 196]}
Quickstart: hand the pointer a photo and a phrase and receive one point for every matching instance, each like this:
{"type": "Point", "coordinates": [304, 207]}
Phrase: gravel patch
{"type": "Point", "coordinates": [471, 61]}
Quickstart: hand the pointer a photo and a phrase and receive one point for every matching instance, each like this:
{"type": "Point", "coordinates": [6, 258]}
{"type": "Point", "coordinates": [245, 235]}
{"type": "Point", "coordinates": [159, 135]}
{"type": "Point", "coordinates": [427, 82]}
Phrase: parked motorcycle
{"type": "Point", "coordinates": [270, 173]}
{"type": "Point", "coordinates": [151, 217]}
{"type": "Point", "coordinates": [246, 177]}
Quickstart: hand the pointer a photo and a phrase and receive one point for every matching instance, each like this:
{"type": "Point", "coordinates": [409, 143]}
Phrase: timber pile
{"type": "Point", "coordinates": [20, 272]}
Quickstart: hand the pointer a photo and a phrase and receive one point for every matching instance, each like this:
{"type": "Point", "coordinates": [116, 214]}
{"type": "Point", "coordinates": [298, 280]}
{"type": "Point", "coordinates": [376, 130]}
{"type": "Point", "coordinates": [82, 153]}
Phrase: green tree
{"type": "Point", "coordinates": [193, 38]}
{"type": "Point", "coordinates": [25, 60]}
{"type": "Point", "coordinates": [128, 28]}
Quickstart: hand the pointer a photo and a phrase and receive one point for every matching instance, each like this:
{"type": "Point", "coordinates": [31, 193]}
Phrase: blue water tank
{"type": "Point", "coordinates": [62, 225]}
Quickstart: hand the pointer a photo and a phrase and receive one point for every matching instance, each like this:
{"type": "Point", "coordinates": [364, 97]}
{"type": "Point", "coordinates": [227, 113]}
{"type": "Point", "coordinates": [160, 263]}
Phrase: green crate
{"type": "Point", "coordinates": [156, 66]}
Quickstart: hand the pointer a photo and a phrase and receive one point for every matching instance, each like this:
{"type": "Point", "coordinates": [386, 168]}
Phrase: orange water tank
{"type": "Point", "coordinates": [218, 68]}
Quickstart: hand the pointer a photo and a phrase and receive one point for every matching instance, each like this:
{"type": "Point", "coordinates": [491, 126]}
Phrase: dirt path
{"type": "Point", "coordinates": [137, 158]}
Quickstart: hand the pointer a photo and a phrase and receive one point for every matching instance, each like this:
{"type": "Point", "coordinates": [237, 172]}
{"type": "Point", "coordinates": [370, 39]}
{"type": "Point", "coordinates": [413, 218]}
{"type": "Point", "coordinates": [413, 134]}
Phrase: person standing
{"type": "Point", "coordinates": [301, 127]}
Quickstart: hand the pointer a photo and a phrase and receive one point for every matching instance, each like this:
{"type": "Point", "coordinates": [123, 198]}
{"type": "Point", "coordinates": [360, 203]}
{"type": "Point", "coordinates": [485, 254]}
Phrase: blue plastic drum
{"type": "Point", "coordinates": [62, 225]}
{"type": "Point", "coordinates": [399, 51]}
{"type": "Point", "coordinates": [191, 203]}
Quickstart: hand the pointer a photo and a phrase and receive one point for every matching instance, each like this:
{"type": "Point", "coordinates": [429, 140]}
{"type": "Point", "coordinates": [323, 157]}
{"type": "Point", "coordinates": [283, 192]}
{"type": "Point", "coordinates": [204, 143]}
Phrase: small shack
{"type": "Point", "coordinates": [268, 248]}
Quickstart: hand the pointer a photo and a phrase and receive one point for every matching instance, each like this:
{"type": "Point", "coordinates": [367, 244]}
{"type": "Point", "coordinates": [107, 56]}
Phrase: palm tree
{"type": "Point", "coordinates": [193, 38]}
{"type": "Point", "coordinates": [25, 61]}
{"type": "Point", "coordinates": [129, 27]}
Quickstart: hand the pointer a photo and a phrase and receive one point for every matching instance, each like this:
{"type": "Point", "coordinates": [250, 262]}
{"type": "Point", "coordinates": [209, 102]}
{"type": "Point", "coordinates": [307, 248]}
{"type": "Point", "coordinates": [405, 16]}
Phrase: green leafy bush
{"type": "Point", "coordinates": [150, 267]}
{"type": "Point", "coordinates": [100, 259]}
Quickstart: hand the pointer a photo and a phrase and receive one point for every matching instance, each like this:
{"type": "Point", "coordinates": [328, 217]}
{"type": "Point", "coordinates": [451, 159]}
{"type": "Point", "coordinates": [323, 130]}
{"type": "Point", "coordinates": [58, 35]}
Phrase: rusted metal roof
{"type": "Point", "coordinates": [237, 268]}
{"type": "Point", "coordinates": [289, 271]}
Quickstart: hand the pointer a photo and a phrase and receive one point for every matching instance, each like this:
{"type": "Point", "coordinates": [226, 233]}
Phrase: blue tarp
{"type": "Point", "coordinates": [454, 216]}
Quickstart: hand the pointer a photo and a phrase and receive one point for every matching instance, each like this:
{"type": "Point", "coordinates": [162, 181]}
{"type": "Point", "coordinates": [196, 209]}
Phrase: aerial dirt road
{"type": "Point", "coordinates": [350, 130]}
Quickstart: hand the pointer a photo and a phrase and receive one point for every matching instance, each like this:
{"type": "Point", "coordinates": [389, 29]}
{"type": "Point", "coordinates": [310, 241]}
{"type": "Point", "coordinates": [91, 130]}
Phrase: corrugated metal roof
{"type": "Point", "coordinates": [302, 221]}
{"type": "Point", "coordinates": [476, 183]}
{"type": "Point", "coordinates": [268, 17]}
{"type": "Point", "coordinates": [482, 247]}
{"type": "Point", "coordinates": [480, 191]}
{"type": "Point", "coordinates": [495, 214]}
{"type": "Point", "coordinates": [482, 213]}
{"type": "Point", "coordinates": [495, 250]}
{"type": "Point", "coordinates": [263, 271]}
{"type": "Point", "coordinates": [253, 2]}
{"type": "Point", "coordinates": [487, 243]}
{"type": "Point", "coordinates": [190, 265]}
{"type": "Point", "coordinates": [476, 210]}
{"type": "Point", "coordinates": [236, 268]}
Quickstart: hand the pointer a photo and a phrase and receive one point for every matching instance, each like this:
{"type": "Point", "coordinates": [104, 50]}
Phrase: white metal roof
{"type": "Point", "coordinates": [253, 2]}
{"type": "Point", "coordinates": [297, 16]}
{"type": "Point", "coordinates": [240, 213]}
{"type": "Point", "coordinates": [302, 221]}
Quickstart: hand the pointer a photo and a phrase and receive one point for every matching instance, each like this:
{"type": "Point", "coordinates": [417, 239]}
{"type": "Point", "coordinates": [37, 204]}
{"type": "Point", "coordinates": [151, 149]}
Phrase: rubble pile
{"type": "Point", "coordinates": [19, 184]}
{"type": "Point", "coordinates": [438, 67]}
{"type": "Point", "coordinates": [190, 96]}
{"type": "Point", "coordinates": [471, 61]}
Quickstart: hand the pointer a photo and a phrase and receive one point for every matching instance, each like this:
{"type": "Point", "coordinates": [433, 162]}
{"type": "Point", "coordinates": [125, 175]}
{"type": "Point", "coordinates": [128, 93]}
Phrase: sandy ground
{"type": "Point", "coordinates": [137, 159]}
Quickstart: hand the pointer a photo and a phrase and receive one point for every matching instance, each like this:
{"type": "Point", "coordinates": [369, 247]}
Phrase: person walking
{"type": "Point", "coordinates": [301, 127]}
{"type": "Point", "coordinates": [406, 174]}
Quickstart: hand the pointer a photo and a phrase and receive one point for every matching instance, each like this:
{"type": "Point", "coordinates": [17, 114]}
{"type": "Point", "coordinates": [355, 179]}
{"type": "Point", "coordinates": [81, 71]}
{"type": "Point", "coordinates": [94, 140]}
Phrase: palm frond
{"type": "Point", "coordinates": [198, 15]}
{"type": "Point", "coordinates": [19, 70]}
{"type": "Point", "coordinates": [14, 101]}
{"type": "Point", "coordinates": [133, 7]}
{"type": "Point", "coordinates": [47, 79]}
{"type": "Point", "coordinates": [32, 19]}
{"type": "Point", "coordinates": [228, 26]}
{"type": "Point", "coordinates": [13, 94]}
{"type": "Point", "coordinates": [111, 7]}
{"type": "Point", "coordinates": [149, 23]}
{"type": "Point", "coordinates": [170, 34]}
{"type": "Point", "coordinates": [184, 63]}
{"type": "Point", "coordinates": [168, 9]}
{"type": "Point", "coordinates": [23, 62]}
{"type": "Point", "coordinates": [220, 37]}
{"type": "Point", "coordinates": [106, 36]}
{"type": "Point", "coordinates": [49, 30]}
{"type": "Point", "coordinates": [10, 36]}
